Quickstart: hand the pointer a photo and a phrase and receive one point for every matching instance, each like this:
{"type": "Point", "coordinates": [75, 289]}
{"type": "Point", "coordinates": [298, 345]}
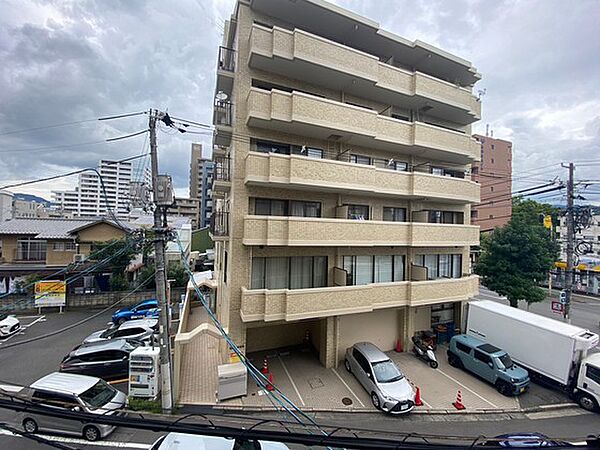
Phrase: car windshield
{"type": "Point", "coordinates": [506, 361]}
{"type": "Point", "coordinates": [387, 372]}
{"type": "Point", "coordinates": [108, 333]}
{"type": "Point", "coordinates": [98, 395]}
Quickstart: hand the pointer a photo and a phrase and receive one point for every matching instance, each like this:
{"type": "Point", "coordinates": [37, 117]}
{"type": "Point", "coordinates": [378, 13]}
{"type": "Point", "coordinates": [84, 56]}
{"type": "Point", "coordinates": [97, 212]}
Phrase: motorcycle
{"type": "Point", "coordinates": [424, 348]}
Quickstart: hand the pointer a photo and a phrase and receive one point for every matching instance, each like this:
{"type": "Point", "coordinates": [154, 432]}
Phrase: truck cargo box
{"type": "Point", "coordinates": [547, 346]}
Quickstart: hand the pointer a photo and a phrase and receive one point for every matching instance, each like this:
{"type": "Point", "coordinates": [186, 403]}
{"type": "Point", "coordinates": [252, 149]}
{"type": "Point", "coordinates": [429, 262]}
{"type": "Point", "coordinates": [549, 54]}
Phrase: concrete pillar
{"type": "Point", "coordinates": [328, 348]}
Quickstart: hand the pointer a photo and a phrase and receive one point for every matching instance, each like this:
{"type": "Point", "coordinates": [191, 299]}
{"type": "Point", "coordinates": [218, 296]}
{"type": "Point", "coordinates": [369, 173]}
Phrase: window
{"type": "Point", "coordinates": [361, 360]}
{"type": "Point", "coordinates": [492, 146]}
{"type": "Point", "coordinates": [296, 272]}
{"type": "Point", "coordinates": [360, 159]}
{"type": "Point", "coordinates": [400, 117]}
{"type": "Point", "coordinates": [474, 213]}
{"type": "Point", "coordinates": [593, 373]}
{"type": "Point", "coordinates": [366, 269]}
{"type": "Point", "coordinates": [274, 207]}
{"type": "Point", "coordinates": [437, 171]}
{"type": "Point", "coordinates": [390, 164]}
{"type": "Point", "coordinates": [272, 147]}
{"type": "Point", "coordinates": [305, 209]}
{"type": "Point", "coordinates": [31, 250]}
{"type": "Point", "coordinates": [312, 152]}
{"type": "Point", "coordinates": [63, 246]}
{"type": "Point", "coordinates": [128, 332]}
{"type": "Point", "coordinates": [393, 214]}
{"type": "Point", "coordinates": [437, 216]}
{"type": "Point", "coordinates": [483, 357]}
{"type": "Point", "coordinates": [463, 348]}
{"type": "Point", "coordinates": [475, 170]}
{"type": "Point", "coordinates": [358, 212]}
{"type": "Point", "coordinates": [398, 267]}
{"type": "Point", "coordinates": [383, 268]}
{"type": "Point", "coordinates": [437, 265]}
{"type": "Point", "coordinates": [492, 160]}
{"type": "Point", "coordinates": [491, 188]}
{"type": "Point", "coordinates": [54, 399]}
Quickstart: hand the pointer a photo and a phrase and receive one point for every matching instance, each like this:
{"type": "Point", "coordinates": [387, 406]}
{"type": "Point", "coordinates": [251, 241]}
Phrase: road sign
{"type": "Point", "coordinates": [557, 307]}
{"type": "Point", "coordinates": [563, 297]}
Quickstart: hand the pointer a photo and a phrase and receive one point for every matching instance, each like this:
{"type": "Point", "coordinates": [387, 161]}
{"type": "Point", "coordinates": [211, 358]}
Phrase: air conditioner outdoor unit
{"type": "Point", "coordinates": [78, 257]}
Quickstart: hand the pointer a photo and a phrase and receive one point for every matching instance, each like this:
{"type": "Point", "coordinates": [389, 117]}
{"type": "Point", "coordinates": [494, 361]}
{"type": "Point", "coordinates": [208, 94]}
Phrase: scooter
{"type": "Point", "coordinates": [424, 350]}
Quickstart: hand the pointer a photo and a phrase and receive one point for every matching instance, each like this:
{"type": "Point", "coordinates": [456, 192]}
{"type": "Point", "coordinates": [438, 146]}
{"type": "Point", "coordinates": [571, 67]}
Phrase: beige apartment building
{"type": "Point", "coordinates": [342, 194]}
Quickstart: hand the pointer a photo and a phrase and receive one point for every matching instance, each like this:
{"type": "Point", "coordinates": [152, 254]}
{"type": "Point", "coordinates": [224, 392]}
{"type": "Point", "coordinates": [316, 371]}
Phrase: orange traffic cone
{"type": "Point", "coordinates": [399, 346]}
{"type": "Point", "coordinates": [265, 367]}
{"type": "Point", "coordinates": [418, 401]}
{"type": "Point", "coordinates": [458, 403]}
{"type": "Point", "coordinates": [270, 386]}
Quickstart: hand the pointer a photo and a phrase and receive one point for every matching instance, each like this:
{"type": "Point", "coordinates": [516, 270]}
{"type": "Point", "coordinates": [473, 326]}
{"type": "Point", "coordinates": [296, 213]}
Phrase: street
{"type": "Point", "coordinates": [25, 363]}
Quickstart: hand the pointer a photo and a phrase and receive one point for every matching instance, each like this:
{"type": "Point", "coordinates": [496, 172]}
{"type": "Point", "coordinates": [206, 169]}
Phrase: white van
{"type": "Point", "coordinates": [66, 391]}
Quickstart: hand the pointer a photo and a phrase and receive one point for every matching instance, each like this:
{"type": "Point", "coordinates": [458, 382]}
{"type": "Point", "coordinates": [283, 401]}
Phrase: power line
{"type": "Point", "coordinates": [64, 124]}
{"type": "Point", "coordinates": [39, 180]}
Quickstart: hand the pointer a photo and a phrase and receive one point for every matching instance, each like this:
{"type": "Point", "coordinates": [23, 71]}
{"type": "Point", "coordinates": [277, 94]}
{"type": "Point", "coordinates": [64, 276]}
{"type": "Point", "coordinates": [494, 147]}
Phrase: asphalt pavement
{"type": "Point", "coordinates": [24, 363]}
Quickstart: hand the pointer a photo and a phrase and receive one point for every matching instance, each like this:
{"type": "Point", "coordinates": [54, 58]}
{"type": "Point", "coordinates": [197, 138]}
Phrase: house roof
{"type": "Point", "coordinates": [48, 228]}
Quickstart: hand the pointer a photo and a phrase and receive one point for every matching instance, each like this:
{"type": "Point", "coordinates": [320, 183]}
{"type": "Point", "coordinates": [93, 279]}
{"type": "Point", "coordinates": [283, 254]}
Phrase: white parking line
{"type": "Point", "coordinates": [348, 387]}
{"type": "Point", "coordinates": [291, 380]}
{"type": "Point", "coordinates": [113, 444]}
{"type": "Point", "coordinates": [465, 387]}
{"type": "Point", "coordinates": [68, 440]}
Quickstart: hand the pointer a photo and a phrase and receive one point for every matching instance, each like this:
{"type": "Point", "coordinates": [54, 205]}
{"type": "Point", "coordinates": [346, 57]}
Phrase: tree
{"type": "Point", "coordinates": [532, 212]}
{"type": "Point", "coordinates": [117, 254]}
{"type": "Point", "coordinates": [516, 257]}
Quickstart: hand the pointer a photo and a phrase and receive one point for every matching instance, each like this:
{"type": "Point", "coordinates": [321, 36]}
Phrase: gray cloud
{"type": "Point", "coordinates": [64, 61]}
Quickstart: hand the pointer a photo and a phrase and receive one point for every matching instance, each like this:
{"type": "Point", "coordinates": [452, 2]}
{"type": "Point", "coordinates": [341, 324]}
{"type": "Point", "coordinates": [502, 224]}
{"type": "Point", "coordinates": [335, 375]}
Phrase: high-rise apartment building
{"type": "Point", "coordinates": [342, 192]}
{"type": "Point", "coordinates": [201, 179]}
{"type": "Point", "coordinates": [494, 174]}
{"type": "Point", "coordinates": [89, 198]}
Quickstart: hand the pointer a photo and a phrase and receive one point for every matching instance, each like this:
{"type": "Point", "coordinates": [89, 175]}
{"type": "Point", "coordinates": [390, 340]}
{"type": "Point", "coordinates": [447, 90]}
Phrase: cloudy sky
{"type": "Point", "coordinates": [76, 61]}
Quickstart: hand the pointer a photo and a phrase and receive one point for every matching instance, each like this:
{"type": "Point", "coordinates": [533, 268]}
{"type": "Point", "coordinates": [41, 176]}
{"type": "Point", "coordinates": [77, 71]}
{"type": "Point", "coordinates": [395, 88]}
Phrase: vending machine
{"type": "Point", "coordinates": [144, 372]}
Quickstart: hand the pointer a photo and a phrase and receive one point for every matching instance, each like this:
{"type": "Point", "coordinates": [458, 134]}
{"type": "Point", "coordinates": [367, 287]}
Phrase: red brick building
{"type": "Point", "coordinates": [494, 173]}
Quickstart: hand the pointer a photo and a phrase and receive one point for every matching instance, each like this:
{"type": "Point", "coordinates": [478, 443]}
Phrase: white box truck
{"type": "Point", "coordinates": [553, 352]}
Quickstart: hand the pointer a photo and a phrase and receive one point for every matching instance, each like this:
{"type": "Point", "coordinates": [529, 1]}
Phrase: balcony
{"type": "Point", "coordinates": [305, 56]}
{"type": "Point", "coordinates": [288, 305]}
{"type": "Point", "coordinates": [328, 175]}
{"type": "Point", "coordinates": [326, 232]}
{"type": "Point", "coordinates": [222, 180]}
{"type": "Point", "coordinates": [219, 226]}
{"type": "Point", "coordinates": [321, 118]}
{"type": "Point", "coordinates": [223, 121]}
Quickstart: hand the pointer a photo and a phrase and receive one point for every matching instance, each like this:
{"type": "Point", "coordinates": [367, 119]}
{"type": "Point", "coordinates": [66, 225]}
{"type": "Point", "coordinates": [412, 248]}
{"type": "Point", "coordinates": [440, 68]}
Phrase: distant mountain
{"type": "Point", "coordinates": [32, 198]}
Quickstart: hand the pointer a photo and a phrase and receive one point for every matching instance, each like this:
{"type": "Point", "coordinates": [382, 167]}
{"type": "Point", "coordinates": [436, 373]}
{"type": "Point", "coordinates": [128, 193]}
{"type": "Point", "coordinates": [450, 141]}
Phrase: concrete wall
{"type": "Point", "coordinates": [20, 303]}
{"type": "Point", "coordinates": [382, 328]}
{"type": "Point", "coordinates": [283, 335]}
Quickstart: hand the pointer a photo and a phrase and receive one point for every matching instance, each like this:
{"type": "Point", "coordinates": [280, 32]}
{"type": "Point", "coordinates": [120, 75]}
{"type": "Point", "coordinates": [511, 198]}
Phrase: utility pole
{"type": "Point", "coordinates": [570, 245]}
{"type": "Point", "coordinates": [161, 275]}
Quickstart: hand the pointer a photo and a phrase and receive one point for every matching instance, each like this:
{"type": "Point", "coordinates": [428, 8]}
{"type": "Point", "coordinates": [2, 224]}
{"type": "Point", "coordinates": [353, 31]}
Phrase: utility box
{"type": "Point", "coordinates": [144, 372]}
{"type": "Point", "coordinates": [233, 379]}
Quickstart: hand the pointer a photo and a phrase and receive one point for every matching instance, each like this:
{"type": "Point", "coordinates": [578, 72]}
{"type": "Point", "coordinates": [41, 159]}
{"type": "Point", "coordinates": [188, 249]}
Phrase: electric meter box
{"type": "Point", "coordinates": [233, 380]}
{"type": "Point", "coordinates": [144, 372]}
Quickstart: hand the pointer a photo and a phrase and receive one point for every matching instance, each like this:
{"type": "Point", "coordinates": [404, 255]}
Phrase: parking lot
{"type": "Point", "coordinates": [298, 373]}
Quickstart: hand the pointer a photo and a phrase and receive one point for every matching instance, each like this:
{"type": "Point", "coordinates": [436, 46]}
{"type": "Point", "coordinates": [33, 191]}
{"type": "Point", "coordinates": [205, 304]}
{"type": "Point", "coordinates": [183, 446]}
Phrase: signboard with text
{"type": "Point", "coordinates": [50, 293]}
{"type": "Point", "coordinates": [557, 307]}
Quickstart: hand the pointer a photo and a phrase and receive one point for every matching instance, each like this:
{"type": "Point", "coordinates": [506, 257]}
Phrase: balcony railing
{"type": "Point", "coordinates": [219, 223]}
{"type": "Point", "coordinates": [223, 112]}
{"type": "Point", "coordinates": [227, 59]}
{"type": "Point", "coordinates": [222, 168]}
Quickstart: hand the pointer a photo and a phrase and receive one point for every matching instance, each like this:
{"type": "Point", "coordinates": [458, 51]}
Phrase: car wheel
{"type": "Point", "coordinates": [375, 400]}
{"type": "Point", "coordinates": [503, 388]}
{"type": "Point", "coordinates": [30, 426]}
{"type": "Point", "coordinates": [587, 402]}
{"type": "Point", "coordinates": [454, 361]}
{"type": "Point", "coordinates": [91, 433]}
{"type": "Point", "coordinates": [347, 365]}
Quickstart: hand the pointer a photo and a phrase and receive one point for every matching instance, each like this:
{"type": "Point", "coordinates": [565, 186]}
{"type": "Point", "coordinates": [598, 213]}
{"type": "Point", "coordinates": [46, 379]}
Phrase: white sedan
{"type": "Point", "coordinates": [9, 325]}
